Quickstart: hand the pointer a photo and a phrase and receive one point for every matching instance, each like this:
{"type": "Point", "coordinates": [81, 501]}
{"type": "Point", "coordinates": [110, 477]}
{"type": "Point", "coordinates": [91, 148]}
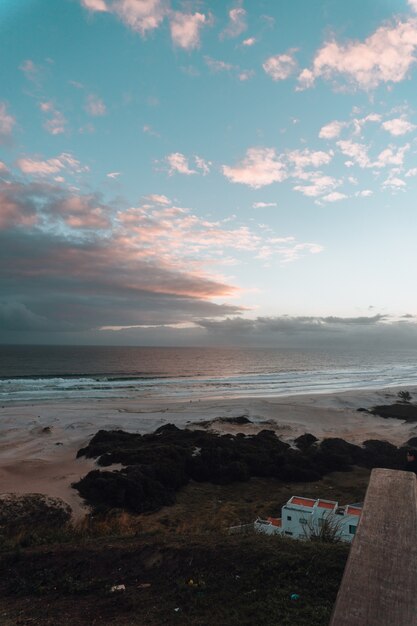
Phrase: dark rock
{"type": "Point", "coordinates": [303, 442]}
{"type": "Point", "coordinates": [407, 412]}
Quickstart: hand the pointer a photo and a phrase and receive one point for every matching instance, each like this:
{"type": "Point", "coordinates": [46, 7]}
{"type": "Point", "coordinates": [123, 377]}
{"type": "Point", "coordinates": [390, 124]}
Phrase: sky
{"type": "Point", "coordinates": [206, 173]}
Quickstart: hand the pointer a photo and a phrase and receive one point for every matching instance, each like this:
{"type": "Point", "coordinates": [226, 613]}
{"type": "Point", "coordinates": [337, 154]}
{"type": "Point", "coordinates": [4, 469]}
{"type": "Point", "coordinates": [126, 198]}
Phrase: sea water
{"type": "Point", "coordinates": [33, 373]}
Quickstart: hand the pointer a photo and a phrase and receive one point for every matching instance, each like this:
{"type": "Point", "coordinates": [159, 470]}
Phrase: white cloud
{"type": "Point", "coordinates": [412, 172]}
{"type": "Point", "coordinates": [309, 158]}
{"type": "Point", "coordinates": [334, 196]}
{"type": "Point", "coordinates": [263, 205]}
{"type": "Point", "coordinates": [319, 185]}
{"type": "Point", "coordinates": [366, 193]}
{"type": "Point", "coordinates": [7, 123]}
{"type": "Point", "coordinates": [250, 41]}
{"type": "Point", "coordinates": [185, 29]}
{"type": "Point", "coordinates": [280, 66]}
{"type": "Point", "coordinates": [260, 167]}
{"type": "Point", "coordinates": [413, 5]}
{"type": "Point", "coordinates": [95, 106]}
{"type": "Point", "coordinates": [177, 162]}
{"type": "Point", "coordinates": [385, 56]}
{"type": "Point", "coordinates": [394, 182]}
{"type": "Point", "coordinates": [332, 130]}
{"type": "Point", "coordinates": [237, 23]}
{"type": "Point", "coordinates": [113, 175]}
{"type": "Point", "coordinates": [391, 156]}
{"type": "Point", "coordinates": [356, 151]}
{"type": "Point", "coordinates": [398, 126]}
{"type": "Point", "coordinates": [202, 164]}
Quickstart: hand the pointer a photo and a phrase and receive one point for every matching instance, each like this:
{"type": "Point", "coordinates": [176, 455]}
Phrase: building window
{"type": "Point", "coordinates": [288, 532]}
{"type": "Point", "coordinates": [289, 518]}
{"type": "Point", "coordinates": [303, 520]}
{"type": "Point", "coordinates": [352, 529]}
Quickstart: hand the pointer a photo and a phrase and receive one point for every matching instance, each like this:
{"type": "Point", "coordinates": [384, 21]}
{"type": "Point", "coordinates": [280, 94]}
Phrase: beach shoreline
{"type": "Point", "coordinates": [39, 440]}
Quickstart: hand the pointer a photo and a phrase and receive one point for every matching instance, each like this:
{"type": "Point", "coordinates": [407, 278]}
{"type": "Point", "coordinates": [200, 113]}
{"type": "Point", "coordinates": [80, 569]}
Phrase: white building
{"type": "Point", "coordinates": [305, 517]}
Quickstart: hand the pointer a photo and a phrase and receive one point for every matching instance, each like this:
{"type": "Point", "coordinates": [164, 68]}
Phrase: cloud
{"type": "Point", "coordinates": [319, 184]}
{"type": "Point", "coordinates": [157, 198]}
{"type": "Point", "coordinates": [391, 156]}
{"type": "Point", "coordinates": [334, 196]}
{"type": "Point", "coordinates": [37, 167]}
{"type": "Point", "coordinates": [262, 205]}
{"type": "Point", "coordinates": [7, 123]}
{"type": "Point", "coordinates": [332, 130]}
{"type": "Point", "coordinates": [237, 23]}
{"type": "Point", "coordinates": [246, 75]}
{"type": "Point", "coordinates": [356, 151]}
{"type": "Point", "coordinates": [268, 326]}
{"type": "Point", "coordinates": [217, 66]}
{"type": "Point", "coordinates": [95, 106]}
{"type": "Point", "coordinates": [178, 163]}
{"type": "Point", "coordinates": [31, 71]}
{"type": "Point", "coordinates": [202, 165]}
{"type": "Point", "coordinates": [365, 193]}
{"type": "Point", "coordinates": [309, 158]}
{"type": "Point", "coordinates": [413, 5]}
{"type": "Point", "coordinates": [398, 126]}
{"type": "Point", "coordinates": [260, 167]}
{"type": "Point", "coordinates": [98, 265]}
{"type": "Point", "coordinates": [113, 175]}
{"type": "Point", "coordinates": [140, 15]}
{"type": "Point", "coordinates": [185, 29]}
{"type": "Point", "coordinates": [393, 182]}
{"type": "Point", "coordinates": [385, 56]}
{"type": "Point", "coordinates": [94, 5]}
{"type": "Point", "coordinates": [56, 122]}
{"type": "Point", "coordinates": [250, 41]}
{"type": "Point", "coordinates": [280, 66]}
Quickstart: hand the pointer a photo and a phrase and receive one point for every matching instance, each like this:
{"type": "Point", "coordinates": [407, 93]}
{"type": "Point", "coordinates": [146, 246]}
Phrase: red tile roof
{"type": "Point", "coordinates": [302, 501]}
{"type": "Point", "coordinates": [325, 504]}
{"type": "Point", "coordinates": [352, 510]}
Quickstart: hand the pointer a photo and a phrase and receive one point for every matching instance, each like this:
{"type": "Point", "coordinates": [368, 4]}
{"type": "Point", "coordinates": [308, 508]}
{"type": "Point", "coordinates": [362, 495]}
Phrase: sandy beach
{"type": "Point", "coordinates": [39, 442]}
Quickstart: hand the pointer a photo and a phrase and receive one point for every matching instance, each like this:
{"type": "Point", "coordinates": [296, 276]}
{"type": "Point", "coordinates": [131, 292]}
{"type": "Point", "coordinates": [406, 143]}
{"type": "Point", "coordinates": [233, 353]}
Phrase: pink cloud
{"type": "Point", "coordinates": [95, 106]}
{"type": "Point", "coordinates": [7, 123]}
{"type": "Point", "coordinates": [94, 5]}
{"type": "Point", "coordinates": [398, 126]}
{"type": "Point", "coordinates": [140, 15]}
{"type": "Point", "coordinates": [185, 29]}
{"type": "Point", "coordinates": [280, 66]}
{"type": "Point", "coordinates": [37, 167]}
{"type": "Point", "coordinates": [332, 130]}
{"type": "Point", "coordinates": [237, 23]}
{"type": "Point", "coordinates": [385, 56]}
{"type": "Point", "coordinates": [56, 122]}
{"type": "Point", "coordinates": [217, 66]}
{"type": "Point", "coordinates": [178, 163]}
{"type": "Point", "coordinates": [13, 212]}
{"type": "Point", "coordinates": [260, 167]}
{"type": "Point", "coordinates": [250, 41]}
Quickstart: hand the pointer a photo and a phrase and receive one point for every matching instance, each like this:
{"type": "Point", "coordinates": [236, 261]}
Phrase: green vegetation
{"type": "Point", "coordinates": [158, 465]}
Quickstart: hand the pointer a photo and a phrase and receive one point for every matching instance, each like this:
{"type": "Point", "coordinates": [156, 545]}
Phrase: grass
{"type": "Point", "coordinates": [64, 578]}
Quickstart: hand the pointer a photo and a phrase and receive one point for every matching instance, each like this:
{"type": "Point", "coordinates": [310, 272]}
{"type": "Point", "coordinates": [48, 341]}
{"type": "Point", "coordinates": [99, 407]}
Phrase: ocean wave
{"type": "Point", "coordinates": [36, 388]}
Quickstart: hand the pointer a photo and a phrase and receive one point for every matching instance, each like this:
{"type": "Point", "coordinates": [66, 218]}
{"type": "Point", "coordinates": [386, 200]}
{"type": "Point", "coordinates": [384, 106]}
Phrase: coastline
{"type": "Point", "coordinates": [39, 441]}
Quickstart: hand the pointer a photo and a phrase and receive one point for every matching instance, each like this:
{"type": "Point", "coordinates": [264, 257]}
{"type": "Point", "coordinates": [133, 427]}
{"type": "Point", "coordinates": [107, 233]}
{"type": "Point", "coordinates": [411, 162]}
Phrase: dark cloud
{"type": "Point", "coordinates": [63, 268]}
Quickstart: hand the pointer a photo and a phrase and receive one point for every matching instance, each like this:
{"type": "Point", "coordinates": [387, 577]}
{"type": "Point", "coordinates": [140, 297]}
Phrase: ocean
{"type": "Point", "coordinates": [33, 373]}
